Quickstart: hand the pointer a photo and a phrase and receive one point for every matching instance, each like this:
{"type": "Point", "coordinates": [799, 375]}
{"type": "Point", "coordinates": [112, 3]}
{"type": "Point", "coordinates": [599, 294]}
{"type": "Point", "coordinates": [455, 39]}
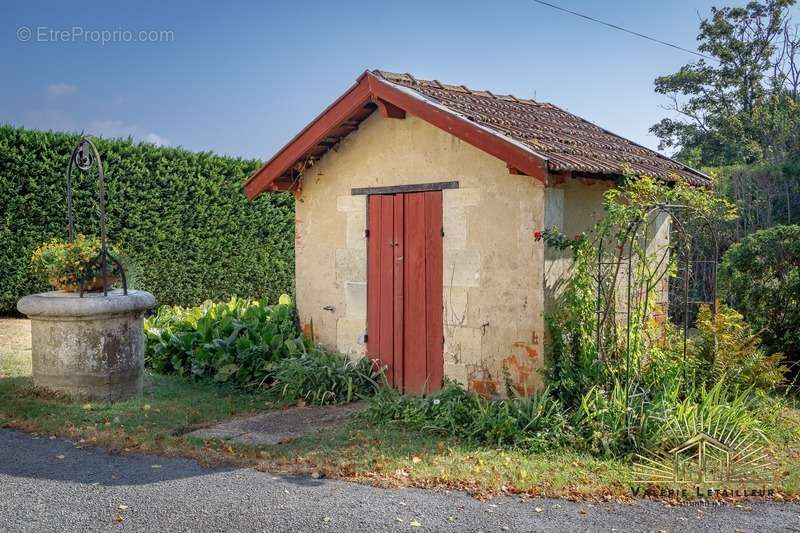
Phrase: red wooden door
{"type": "Point", "coordinates": [404, 289]}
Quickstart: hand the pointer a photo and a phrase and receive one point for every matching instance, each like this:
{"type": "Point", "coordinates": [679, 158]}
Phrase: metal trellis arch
{"type": "Point", "coordinates": [694, 284]}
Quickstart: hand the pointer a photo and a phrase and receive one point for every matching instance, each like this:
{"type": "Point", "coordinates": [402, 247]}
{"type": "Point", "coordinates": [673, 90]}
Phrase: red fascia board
{"type": "Point", "coordinates": [513, 155]}
{"type": "Point", "coordinates": [308, 138]}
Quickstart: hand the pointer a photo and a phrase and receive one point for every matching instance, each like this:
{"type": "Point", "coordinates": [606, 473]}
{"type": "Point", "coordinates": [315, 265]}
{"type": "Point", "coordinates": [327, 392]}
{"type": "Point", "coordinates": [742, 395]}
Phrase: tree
{"type": "Point", "coordinates": [743, 106]}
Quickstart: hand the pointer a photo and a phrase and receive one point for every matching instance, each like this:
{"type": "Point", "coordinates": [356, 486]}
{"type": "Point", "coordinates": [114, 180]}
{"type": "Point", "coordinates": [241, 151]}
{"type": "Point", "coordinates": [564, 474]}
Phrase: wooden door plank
{"type": "Point", "coordinates": [386, 274]}
{"type": "Point", "coordinates": [398, 266]}
{"type": "Point", "coordinates": [415, 358]}
{"type": "Point", "coordinates": [373, 278]}
{"type": "Point", "coordinates": [434, 301]}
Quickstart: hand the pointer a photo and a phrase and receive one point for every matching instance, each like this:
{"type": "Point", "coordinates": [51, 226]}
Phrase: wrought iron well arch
{"type": "Point", "coordinates": [84, 156]}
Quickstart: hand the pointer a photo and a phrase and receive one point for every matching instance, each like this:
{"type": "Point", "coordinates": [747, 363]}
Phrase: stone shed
{"type": "Point", "coordinates": [416, 207]}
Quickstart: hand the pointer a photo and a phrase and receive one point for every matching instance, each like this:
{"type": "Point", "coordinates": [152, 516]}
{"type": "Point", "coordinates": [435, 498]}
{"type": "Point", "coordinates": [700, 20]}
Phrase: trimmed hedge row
{"type": "Point", "coordinates": [181, 219]}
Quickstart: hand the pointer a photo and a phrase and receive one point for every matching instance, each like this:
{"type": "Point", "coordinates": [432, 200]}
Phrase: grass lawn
{"type": "Point", "coordinates": [393, 456]}
{"type": "Point", "coordinates": [386, 456]}
{"type": "Point", "coordinates": [15, 347]}
{"type": "Point", "coordinates": [169, 407]}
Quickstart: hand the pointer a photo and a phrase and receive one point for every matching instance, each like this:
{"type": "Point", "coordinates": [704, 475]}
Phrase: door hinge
{"type": "Point", "coordinates": [366, 337]}
{"type": "Point", "coordinates": [442, 342]}
{"type": "Point", "coordinates": [442, 232]}
{"type": "Point", "coordinates": [366, 233]}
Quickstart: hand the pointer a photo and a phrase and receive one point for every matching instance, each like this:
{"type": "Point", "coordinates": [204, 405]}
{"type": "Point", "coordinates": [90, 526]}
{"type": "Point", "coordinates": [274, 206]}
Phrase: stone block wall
{"type": "Point", "coordinates": [492, 268]}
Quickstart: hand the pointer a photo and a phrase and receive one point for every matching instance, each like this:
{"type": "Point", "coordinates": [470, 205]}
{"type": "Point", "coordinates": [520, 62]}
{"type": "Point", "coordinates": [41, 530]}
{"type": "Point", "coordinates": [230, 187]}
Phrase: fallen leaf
{"type": "Point", "coordinates": [416, 460]}
{"type": "Point", "coordinates": [87, 407]}
{"type": "Point", "coordinates": [120, 519]}
{"type": "Point", "coordinates": [146, 407]}
{"type": "Point", "coordinates": [414, 523]}
{"type": "Point", "coordinates": [538, 509]}
{"type": "Point", "coordinates": [59, 456]}
{"type": "Point", "coordinates": [123, 507]}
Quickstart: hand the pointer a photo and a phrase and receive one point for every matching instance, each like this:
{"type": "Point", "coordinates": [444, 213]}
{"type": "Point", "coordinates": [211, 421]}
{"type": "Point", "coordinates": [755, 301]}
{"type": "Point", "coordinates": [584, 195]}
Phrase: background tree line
{"type": "Point", "coordinates": [737, 117]}
{"type": "Point", "coordinates": [737, 114]}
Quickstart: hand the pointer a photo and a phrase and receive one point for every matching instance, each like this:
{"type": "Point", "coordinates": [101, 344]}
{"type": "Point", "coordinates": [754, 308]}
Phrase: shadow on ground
{"type": "Point", "coordinates": [29, 456]}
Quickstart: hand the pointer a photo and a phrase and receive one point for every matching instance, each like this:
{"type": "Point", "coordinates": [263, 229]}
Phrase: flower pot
{"type": "Point", "coordinates": [94, 285]}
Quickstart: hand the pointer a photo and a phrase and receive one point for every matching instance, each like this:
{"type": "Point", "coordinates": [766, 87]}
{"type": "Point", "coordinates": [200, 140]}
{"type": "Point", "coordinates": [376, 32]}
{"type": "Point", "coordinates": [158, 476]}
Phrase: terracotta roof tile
{"type": "Point", "coordinates": [569, 142]}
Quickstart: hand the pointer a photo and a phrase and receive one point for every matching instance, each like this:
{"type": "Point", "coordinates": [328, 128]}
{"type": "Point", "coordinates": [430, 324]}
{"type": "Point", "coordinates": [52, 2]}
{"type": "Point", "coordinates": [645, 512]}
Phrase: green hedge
{"type": "Point", "coordinates": [187, 231]}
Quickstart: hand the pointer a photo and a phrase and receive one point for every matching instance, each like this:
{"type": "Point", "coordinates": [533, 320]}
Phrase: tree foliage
{"type": "Point", "coordinates": [765, 195]}
{"type": "Point", "coordinates": [760, 276]}
{"type": "Point", "coordinates": [185, 229]}
{"type": "Point", "coordinates": [742, 106]}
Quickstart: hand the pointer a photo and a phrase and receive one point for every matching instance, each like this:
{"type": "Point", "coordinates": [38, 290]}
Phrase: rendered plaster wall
{"type": "Point", "coordinates": [493, 291]}
{"type": "Point", "coordinates": [574, 207]}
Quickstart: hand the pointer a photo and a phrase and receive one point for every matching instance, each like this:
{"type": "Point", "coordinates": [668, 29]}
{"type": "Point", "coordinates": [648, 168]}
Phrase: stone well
{"type": "Point", "coordinates": [90, 347]}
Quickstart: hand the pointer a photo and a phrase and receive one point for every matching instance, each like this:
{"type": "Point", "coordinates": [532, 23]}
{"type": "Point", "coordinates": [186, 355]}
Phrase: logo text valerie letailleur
{"type": "Point", "coordinates": [720, 462]}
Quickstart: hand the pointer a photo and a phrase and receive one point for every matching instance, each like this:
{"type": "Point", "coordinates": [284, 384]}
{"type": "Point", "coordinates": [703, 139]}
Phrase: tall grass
{"type": "Point", "coordinates": [321, 377]}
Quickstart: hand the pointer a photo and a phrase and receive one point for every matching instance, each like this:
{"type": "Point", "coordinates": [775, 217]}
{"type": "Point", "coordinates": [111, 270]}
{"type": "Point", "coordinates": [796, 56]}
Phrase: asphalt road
{"type": "Point", "coordinates": [50, 485]}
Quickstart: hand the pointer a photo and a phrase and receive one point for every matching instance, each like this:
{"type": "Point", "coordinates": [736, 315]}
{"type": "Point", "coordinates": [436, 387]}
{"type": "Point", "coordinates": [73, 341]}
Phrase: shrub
{"type": "Point", "coordinates": [231, 341]}
{"type": "Point", "coordinates": [760, 277]}
{"type": "Point", "coordinates": [573, 366]}
{"type": "Point", "coordinates": [620, 383]}
{"type": "Point", "coordinates": [720, 410]}
{"type": "Point", "coordinates": [728, 351]}
{"type": "Point", "coordinates": [254, 345]}
{"type": "Point", "coordinates": [321, 377]}
{"type": "Point", "coordinates": [187, 229]}
{"type": "Point", "coordinates": [534, 422]}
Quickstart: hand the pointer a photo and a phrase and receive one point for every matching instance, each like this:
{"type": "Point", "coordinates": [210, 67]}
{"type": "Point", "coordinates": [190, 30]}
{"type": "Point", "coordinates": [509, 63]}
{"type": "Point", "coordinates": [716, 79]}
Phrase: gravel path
{"type": "Point", "coordinates": [50, 485]}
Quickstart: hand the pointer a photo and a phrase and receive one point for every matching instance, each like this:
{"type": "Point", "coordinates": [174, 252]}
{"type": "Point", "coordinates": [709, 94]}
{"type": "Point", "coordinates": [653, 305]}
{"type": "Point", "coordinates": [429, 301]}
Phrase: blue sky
{"type": "Point", "coordinates": [241, 78]}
